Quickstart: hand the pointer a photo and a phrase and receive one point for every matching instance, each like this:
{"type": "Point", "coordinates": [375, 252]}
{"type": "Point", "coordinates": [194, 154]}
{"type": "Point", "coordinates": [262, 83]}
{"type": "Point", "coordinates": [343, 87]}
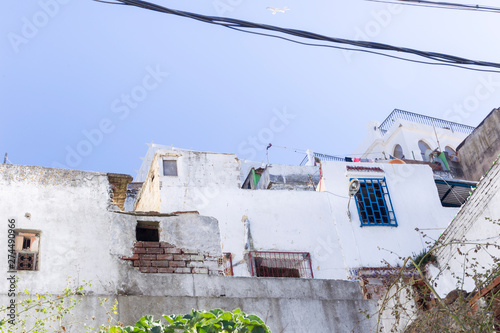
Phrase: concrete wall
{"type": "Point", "coordinates": [289, 177]}
{"type": "Point", "coordinates": [481, 148]}
{"type": "Point", "coordinates": [286, 305]}
{"type": "Point", "coordinates": [475, 226]}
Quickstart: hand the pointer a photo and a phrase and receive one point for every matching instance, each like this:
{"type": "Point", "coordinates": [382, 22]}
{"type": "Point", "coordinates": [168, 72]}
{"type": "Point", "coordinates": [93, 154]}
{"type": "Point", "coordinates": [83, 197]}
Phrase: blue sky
{"type": "Point", "coordinates": [84, 85]}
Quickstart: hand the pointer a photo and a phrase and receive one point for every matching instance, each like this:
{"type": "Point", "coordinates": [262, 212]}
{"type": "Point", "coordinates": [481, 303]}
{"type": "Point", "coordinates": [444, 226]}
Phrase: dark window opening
{"type": "Point", "coordinates": [275, 271]}
{"type": "Point", "coordinates": [170, 168]}
{"type": "Point", "coordinates": [281, 264]}
{"type": "Point", "coordinates": [147, 232]}
{"type": "Point", "coordinates": [26, 243]}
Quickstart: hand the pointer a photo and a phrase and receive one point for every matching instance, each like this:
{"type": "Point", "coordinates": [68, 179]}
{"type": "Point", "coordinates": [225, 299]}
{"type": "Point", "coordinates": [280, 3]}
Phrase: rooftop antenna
{"type": "Point", "coordinates": [439, 146]}
{"type": "Point", "coordinates": [267, 152]}
{"type": "Point", "coordinates": [5, 158]}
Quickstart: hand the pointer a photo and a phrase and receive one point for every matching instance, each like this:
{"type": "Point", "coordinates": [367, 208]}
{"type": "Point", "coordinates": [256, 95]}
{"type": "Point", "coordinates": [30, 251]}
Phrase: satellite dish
{"type": "Point", "coordinates": [354, 186]}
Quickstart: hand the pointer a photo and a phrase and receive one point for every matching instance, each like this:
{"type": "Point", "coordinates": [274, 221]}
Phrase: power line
{"type": "Point", "coordinates": [443, 5]}
{"type": "Point", "coordinates": [240, 25]}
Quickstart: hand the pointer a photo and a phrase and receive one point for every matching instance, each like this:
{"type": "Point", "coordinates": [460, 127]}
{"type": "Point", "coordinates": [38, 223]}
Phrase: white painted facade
{"type": "Point", "coordinates": [379, 144]}
{"type": "Point", "coordinates": [84, 237]}
{"type": "Point", "coordinates": [464, 243]}
{"type": "Point", "coordinates": [303, 221]}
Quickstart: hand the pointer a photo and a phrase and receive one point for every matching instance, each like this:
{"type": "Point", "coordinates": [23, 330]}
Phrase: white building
{"type": "Point", "coordinates": [470, 245]}
{"type": "Point", "coordinates": [315, 222]}
{"type": "Point", "coordinates": [66, 225]}
{"type": "Point", "coordinates": [411, 136]}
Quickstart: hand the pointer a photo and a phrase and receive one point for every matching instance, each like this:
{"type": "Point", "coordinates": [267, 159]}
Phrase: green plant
{"type": "Point", "coordinates": [42, 313]}
{"type": "Point", "coordinates": [213, 321]}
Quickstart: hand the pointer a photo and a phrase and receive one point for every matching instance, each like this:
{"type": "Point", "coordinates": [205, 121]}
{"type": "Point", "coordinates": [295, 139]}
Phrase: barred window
{"type": "Point", "coordinates": [374, 203]}
{"type": "Point", "coordinates": [280, 264]}
{"type": "Point", "coordinates": [26, 248]}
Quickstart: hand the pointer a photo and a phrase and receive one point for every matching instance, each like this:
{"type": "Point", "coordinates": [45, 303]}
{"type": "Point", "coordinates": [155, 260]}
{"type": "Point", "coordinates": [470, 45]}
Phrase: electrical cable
{"type": "Point", "coordinates": [443, 5]}
{"type": "Point", "coordinates": [239, 25]}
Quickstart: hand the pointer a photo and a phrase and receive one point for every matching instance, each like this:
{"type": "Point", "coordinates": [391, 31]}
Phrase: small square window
{"type": "Point", "coordinates": [374, 203]}
{"type": "Point", "coordinates": [147, 231]}
{"type": "Point", "coordinates": [170, 168]}
{"type": "Point", "coordinates": [26, 248]}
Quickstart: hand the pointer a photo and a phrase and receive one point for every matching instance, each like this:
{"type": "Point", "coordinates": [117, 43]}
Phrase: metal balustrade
{"type": "Point", "coordinates": [421, 119]}
{"type": "Point", "coordinates": [323, 157]}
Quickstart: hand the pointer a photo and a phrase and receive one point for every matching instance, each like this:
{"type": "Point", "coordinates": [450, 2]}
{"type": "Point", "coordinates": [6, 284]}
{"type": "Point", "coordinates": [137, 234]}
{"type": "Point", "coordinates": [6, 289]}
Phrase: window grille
{"type": "Point", "coordinates": [281, 264]}
{"type": "Point", "coordinates": [26, 261]}
{"type": "Point", "coordinates": [374, 203]}
{"type": "Point", "coordinates": [227, 264]}
{"type": "Point", "coordinates": [26, 247]}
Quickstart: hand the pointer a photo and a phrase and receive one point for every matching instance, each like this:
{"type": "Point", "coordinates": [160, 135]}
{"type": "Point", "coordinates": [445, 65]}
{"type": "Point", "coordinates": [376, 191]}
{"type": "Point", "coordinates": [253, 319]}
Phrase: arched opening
{"type": "Point", "coordinates": [398, 152]}
{"type": "Point", "coordinates": [452, 154]}
{"type": "Point", "coordinates": [423, 148]}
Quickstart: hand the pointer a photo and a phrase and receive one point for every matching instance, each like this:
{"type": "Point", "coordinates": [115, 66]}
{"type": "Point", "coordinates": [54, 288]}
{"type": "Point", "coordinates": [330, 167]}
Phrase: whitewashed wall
{"type": "Point", "coordinates": [407, 134]}
{"type": "Point", "coordinates": [314, 222]}
{"type": "Point", "coordinates": [83, 236]}
{"type": "Point", "coordinates": [464, 242]}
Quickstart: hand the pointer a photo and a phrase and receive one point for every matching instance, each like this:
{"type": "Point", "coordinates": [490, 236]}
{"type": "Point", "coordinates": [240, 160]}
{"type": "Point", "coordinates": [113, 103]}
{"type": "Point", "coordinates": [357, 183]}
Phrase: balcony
{"type": "Point", "coordinates": [425, 120]}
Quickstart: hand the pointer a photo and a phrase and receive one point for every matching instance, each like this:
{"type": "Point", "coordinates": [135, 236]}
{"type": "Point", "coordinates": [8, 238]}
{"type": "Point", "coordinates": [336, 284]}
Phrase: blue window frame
{"type": "Point", "coordinates": [374, 203]}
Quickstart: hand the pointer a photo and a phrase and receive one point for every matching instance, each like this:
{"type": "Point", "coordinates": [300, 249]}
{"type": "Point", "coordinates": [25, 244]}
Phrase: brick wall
{"type": "Point", "coordinates": [163, 257]}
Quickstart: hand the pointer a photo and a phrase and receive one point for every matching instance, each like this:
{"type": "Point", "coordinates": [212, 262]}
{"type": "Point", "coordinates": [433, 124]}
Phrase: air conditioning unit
{"type": "Point", "coordinates": [26, 261]}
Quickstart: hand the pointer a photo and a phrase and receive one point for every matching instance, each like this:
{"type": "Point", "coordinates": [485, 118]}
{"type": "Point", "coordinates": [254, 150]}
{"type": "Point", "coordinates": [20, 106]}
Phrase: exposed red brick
{"type": "Point", "coordinates": [134, 257]}
{"type": "Point", "coordinates": [153, 270]}
{"type": "Point", "coordinates": [160, 263]}
{"type": "Point", "coordinates": [138, 244]}
{"type": "Point", "coordinates": [177, 264]}
{"type": "Point", "coordinates": [172, 250]}
{"type": "Point", "coordinates": [154, 250]}
{"type": "Point", "coordinates": [166, 270]}
{"type": "Point", "coordinates": [144, 269]}
{"type": "Point", "coordinates": [165, 244]}
{"type": "Point", "coordinates": [137, 263]}
{"type": "Point", "coordinates": [150, 244]}
{"type": "Point", "coordinates": [148, 256]}
{"type": "Point", "coordinates": [139, 250]}
{"type": "Point", "coordinates": [164, 256]}
{"type": "Point", "coordinates": [182, 257]}
{"type": "Point", "coordinates": [145, 263]}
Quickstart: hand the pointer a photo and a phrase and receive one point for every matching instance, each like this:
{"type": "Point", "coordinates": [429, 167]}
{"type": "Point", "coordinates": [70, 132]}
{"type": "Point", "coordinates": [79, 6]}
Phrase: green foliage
{"type": "Point", "coordinates": [39, 313]}
{"type": "Point", "coordinates": [42, 313]}
{"type": "Point", "coordinates": [213, 321]}
{"type": "Point", "coordinates": [411, 303]}
{"type": "Point", "coordinates": [422, 259]}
